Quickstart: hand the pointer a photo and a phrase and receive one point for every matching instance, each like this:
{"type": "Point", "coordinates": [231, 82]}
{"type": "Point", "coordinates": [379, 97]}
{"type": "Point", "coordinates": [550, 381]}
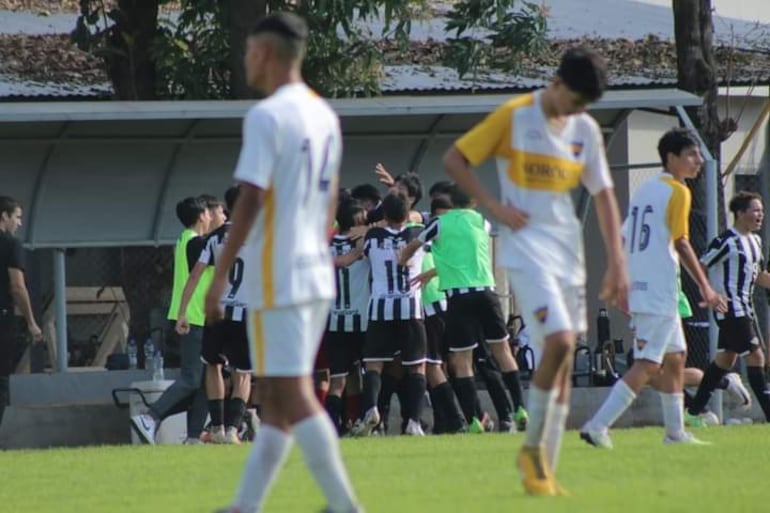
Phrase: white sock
{"type": "Point", "coordinates": [554, 433]}
{"type": "Point", "coordinates": [268, 452]}
{"type": "Point", "coordinates": [320, 445]}
{"type": "Point", "coordinates": [620, 398]}
{"type": "Point", "coordinates": [538, 403]}
{"type": "Point", "coordinates": [673, 414]}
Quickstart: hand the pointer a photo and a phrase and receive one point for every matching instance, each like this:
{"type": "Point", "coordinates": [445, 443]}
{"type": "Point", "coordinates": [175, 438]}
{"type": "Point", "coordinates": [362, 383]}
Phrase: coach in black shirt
{"type": "Point", "coordinates": [13, 291]}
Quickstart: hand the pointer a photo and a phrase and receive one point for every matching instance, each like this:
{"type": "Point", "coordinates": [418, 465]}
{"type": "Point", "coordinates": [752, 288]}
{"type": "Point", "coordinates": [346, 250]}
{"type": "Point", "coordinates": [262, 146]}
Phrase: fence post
{"type": "Point", "coordinates": [712, 231]}
{"type": "Point", "coordinates": [60, 302]}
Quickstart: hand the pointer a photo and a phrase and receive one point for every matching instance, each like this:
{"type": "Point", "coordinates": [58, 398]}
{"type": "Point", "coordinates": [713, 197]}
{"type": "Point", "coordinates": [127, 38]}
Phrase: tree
{"type": "Point", "coordinates": [199, 54]}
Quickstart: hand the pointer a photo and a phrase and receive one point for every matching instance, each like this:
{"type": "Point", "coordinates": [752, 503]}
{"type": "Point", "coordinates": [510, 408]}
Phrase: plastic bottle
{"type": "Point", "coordinates": [131, 351]}
{"type": "Point", "coordinates": [157, 371]}
{"type": "Point", "coordinates": [602, 338]}
{"type": "Point", "coordinates": [149, 355]}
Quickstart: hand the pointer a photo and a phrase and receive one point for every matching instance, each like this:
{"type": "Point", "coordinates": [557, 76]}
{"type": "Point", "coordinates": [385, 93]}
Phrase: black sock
{"type": "Point", "coordinates": [415, 395]}
{"type": "Point", "coordinates": [494, 383]}
{"type": "Point", "coordinates": [723, 383]}
{"type": "Point", "coordinates": [439, 419]}
{"type": "Point", "coordinates": [371, 391]}
{"type": "Point", "coordinates": [402, 392]}
{"type": "Point", "coordinates": [217, 412]}
{"type": "Point", "coordinates": [688, 399]}
{"type": "Point", "coordinates": [465, 388]}
{"type": "Point", "coordinates": [758, 382]}
{"type": "Point", "coordinates": [711, 379]}
{"type": "Point", "coordinates": [445, 401]}
{"type": "Point", "coordinates": [334, 408]}
{"type": "Point", "coordinates": [513, 383]}
{"type": "Point", "coordinates": [236, 408]}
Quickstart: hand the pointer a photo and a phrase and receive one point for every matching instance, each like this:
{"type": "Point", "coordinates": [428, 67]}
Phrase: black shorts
{"type": "Point", "coordinates": [435, 330]}
{"type": "Point", "coordinates": [385, 339]}
{"type": "Point", "coordinates": [343, 350]}
{"type": "Point", "coordinates": [226, 343]}
{"type": "Point", "coordinates": [472, 318]}
{"type": "Point", "coordinates": [737, 334]}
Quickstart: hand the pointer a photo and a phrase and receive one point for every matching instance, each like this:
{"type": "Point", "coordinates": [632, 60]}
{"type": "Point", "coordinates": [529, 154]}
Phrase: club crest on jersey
{"type": "Point", "coordinates": [541, 314]}
{"type": "Point", "coordinates": [640, 343]}
{"type": "Point", "coordinates": [576, 148]}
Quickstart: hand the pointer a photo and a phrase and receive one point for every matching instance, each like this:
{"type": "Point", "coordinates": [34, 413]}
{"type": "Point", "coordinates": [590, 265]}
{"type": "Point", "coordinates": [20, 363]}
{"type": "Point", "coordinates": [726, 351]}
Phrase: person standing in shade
{"type": "Point", "coordinates": [13, 293]}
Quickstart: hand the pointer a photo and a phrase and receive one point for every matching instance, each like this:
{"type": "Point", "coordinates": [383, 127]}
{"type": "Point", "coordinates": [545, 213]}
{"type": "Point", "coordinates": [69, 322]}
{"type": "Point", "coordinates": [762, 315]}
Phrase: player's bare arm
{"type": "Point", "coordinates": [424, 278]}
{"type": "Point", "coordinates": [614, 289]}
{"type": "Point", "coordinates": [409, 251]}
{"type": "Point", "coordinates": [460, 170]}
{"type": "Point", "coordinates": [250, 200]}
{"type": "Point", "coordinates": [182, 325]}
{"type": "Point", "coordinates": [383, 175]}
{"type": "Point", "coordinates": [690, 262]}
{"type": "Point", "coordinates": [21, 299]}
{"type": "Point", "coordinates": [763, 279]}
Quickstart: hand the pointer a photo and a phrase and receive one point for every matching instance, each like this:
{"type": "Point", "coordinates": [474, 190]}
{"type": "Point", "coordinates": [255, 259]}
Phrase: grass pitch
{"type": "Point", "coordinates": [469, 473]}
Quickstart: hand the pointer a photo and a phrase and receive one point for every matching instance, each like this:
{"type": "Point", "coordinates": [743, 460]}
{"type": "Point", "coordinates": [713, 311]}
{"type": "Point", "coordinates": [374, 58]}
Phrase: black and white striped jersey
{"type": "Point", "coordinates": [393, 295]}
{"type": "Point", "coordinates": [234, 298]}
{"type": "Point", "coordinates": [735, 261]}
{"type": "Point", "coordinates": [348, 312]}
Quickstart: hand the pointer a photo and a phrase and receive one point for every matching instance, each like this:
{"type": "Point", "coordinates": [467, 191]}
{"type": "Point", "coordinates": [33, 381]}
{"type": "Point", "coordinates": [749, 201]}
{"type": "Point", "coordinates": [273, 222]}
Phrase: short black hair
{"type": "Point", "coordinates": [459, 198]}
{"type": "Point", "coordinates": [584, 72]}
{"type": "Point", "coordinates": [231, 196]}
{"type": "Point", "coordinates": [674, 141]}
{"type": "Point", "coordinates": [350, 213]}
{"type": "Point", "coordinates": [442, 187]}
{"type": "Point", "coordinates": [395, 207]}
{"type": "Point", "coordinates": [211, 201]}
{"type": "Point", "coordinates": [343, 194]}
{"type": "Point", "coordinates": [366, 191]}
{"type": "Point", "coordinates": [289, 29]}
{"type": "Point", "coordinates": [413, 186]}
{"type": "Point", "coordinates": [8, 205]}
{"type": "Point", "coordinates": [440, 203]}
{"type": "Point", "coordinates": [742, 200]}
{"type": "Point", "coordinates": [189, 210]}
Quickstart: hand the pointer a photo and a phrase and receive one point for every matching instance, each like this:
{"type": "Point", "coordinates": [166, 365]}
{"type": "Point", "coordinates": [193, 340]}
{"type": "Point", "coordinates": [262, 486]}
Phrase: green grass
{"type": "Point", "coordinates": [398, 474]}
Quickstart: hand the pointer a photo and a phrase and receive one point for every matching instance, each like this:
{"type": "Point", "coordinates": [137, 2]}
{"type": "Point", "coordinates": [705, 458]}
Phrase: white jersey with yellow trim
{"type": "Point", "coordinates": [292, 149]}
{"type": "Point", "coordinates": [537, 168]}
{"type": "Point", "coordinates": [658, 215]}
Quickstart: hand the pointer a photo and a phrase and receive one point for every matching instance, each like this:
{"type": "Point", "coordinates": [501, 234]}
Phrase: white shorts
{"type": "Point", "coordinates": [547, 305]}
{"type": "Point", "coordinates": [656, 335]}
{"type": "Point", "coordinates": [284, 341]}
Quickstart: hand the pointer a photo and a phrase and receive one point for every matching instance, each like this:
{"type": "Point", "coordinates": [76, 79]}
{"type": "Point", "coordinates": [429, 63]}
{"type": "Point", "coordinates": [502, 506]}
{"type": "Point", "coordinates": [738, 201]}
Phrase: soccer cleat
{"type": "Point", "coordinates": [193, 441]}
{"type": "Point", "coordinates": [736, 389]}
{"type": "Point", "coordinates": [507, 426]}
{"type": "Point", "coordinates": [597, 438]}
{"type": "Point", "coordinates": [710, 418]}
{"type": "Point", "coordinates": [145, 426]}
{"type": "Point", "coordinates": [560, 490]}
{"type": "Point", "coordinates": [685, 439]}
{"type": "Point", "coordinates": [694, 421]}
{"type": "Point", "coordinates": [521, 417]}
{"type": "Point", "coordinates": [364, 426]}
{"type": "Point", "coordinates": [216, 435]}
{"type": "Point", "coordinates": [413, 428]}
{"type": "Point", "coordinates": [476, 427]}
{"type": "Point", "coordinates": [487, 422]}
{"type": "Point", "coordinates": [535, 474]}
{"type": "Point", "coordinates": [231, 436]}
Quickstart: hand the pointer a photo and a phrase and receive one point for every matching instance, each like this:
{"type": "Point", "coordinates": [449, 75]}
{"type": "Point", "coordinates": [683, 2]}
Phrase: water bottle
{"type": "Point", "coordinates": [131, 352]}
{"type": "Point", "coordinates": [602, 338]}
{"type": "Point", "coordinates": [157, 364]}
{"type": "Point", "coordinates": [149, 354]}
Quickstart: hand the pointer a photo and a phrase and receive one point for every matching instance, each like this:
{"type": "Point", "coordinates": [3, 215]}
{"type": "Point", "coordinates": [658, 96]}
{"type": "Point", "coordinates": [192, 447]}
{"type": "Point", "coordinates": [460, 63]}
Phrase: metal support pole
{"type": "Point", "coordinates": [60, 302]}
{"type": "Point", "coordinates": [712, 230]}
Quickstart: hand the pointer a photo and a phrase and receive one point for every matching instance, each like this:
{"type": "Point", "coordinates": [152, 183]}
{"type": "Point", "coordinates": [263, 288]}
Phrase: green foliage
{"type": "Point", "coordinates": [494, 34]}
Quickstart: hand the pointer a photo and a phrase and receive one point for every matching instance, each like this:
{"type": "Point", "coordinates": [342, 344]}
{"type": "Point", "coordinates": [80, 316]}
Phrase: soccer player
{"type": "Point", "coordinates": [345, 333]}
{"type": "Point", "coordinates": [544, 145]}
{"type": "Point", "coordinates": [735, 258]}
{"type": "Point", "coordinates": [224, 342]}
{"type": "Point", "coordinates": [460, 247]}
{"type": "Point", "coordinates": [288, 169]}
{"type": "Point", "coordinates": [186, 392]}
{"type": "Point", "coordinates": [656, 235]}
{"type": "Point", "coordinates": [395, 317]}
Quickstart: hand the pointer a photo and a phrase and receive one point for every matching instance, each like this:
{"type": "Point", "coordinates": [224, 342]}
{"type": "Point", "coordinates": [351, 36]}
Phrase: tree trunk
{"type": "Point", "coordinates": [130, 66]}
{"type": "Point", "coordinates": [241, 17]}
